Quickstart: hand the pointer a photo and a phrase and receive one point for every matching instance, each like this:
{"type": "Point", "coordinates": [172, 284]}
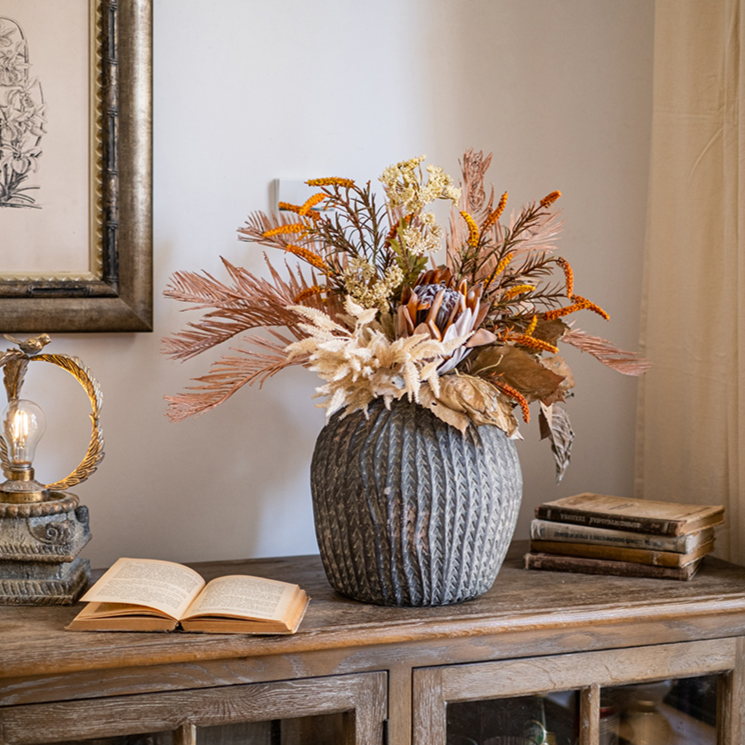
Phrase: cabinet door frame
{"type": "Point", "coordinates": [435, 687]}
{"type": "Point", "coordinates": [363, 696]}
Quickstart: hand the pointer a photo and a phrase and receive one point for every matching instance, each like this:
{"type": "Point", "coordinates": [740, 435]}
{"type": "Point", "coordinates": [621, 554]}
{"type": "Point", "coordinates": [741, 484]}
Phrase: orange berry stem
{"type": "Point", "coordinates": [473, 229]}
{"type": "Point", "coordinates": [517, 396]}
{"type": "Point", "coordinates": [496, 214]}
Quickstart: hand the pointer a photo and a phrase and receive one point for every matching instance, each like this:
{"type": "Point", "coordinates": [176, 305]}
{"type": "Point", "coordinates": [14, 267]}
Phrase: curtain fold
{"type": "Point", "coordinates": [690, 444]}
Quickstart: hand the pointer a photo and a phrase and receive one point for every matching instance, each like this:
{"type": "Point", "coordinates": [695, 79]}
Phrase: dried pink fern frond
{"type": "Point", "coordinates": [259, 223]}
{"type": "Point", "coordinates": [229, 374]}
{"type": "Point", "coordinates": [199, 337]}
{"type": "Point", "coordinates": [538, 238]}
{"type": "Point", "coordinates": [627, 363]}
{"type": "Point", "coordinates": [203, 290]}
{"type": "Point", "coordinates": [473, 195]}
{"type": "Point", "coordinates": [473, 199]}
{"type": "Point", "coordinates": [250, 302]}
{"type": "Point", "coordinates": [244, 303]}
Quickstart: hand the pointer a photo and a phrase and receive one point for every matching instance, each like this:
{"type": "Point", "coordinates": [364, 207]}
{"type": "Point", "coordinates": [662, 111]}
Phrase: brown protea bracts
{"type": "Point", "coordinates": [434, 307]}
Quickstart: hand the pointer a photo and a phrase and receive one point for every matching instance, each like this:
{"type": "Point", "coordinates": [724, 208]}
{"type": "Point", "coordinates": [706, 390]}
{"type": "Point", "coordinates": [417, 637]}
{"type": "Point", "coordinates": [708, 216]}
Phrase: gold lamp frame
{"type": "Point", "coordinates": [15, 363]}
{"type": "Point", "coordinates": [42, 526]}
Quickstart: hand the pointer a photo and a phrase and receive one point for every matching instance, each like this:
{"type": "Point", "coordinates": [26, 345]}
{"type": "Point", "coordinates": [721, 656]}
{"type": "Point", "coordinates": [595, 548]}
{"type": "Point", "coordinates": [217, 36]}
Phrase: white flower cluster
{"type": "Point", "coordinates": [423, 237]}
{"type": "Point", "coordinates": [406, 191]}
{"type": "Point", "coordinates": [408, 194]}
{"type": "Point", "coordinates": [359, 283]}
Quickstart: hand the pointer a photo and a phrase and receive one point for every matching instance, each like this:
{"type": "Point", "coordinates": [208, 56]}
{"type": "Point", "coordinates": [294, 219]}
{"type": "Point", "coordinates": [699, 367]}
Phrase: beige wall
{"type": "Point", "coordinates": [246, 92]}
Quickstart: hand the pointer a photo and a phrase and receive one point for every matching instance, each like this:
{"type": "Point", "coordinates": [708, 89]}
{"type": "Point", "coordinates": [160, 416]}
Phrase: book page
{"type": "Point", "coordinates": [244, 596]}
{"type": "Point", "coordinates": [163, 585]}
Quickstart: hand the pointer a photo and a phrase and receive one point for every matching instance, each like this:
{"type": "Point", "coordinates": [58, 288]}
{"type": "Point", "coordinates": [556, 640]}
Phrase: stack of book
{"type": "Point", "coordinates": [597, 534]}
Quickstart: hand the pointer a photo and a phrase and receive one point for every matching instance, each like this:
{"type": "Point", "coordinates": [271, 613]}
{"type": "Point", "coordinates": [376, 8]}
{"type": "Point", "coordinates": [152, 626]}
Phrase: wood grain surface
{"type": "Point", "coordinates": [33, 641]}
{"type": "Point", "coordinates": [364, 694]}
{"type": "Point", "coordinates": [47, 671]}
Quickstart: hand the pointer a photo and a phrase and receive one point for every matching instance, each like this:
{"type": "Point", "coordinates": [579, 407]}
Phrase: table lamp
{"type": "Point", "coordinates": [42, 526]}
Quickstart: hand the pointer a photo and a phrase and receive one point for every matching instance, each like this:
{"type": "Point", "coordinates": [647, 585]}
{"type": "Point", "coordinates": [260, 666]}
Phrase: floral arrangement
{"type": "Point", "coordinates": [365, 306]}
{"type": "Point", "coordinates": [22, 118]}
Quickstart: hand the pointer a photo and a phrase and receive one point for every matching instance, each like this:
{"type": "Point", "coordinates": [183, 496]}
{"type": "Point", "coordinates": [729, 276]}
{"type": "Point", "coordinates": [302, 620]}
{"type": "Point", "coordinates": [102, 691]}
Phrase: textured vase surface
{"type": "Point", "coordinates": [410, 512]}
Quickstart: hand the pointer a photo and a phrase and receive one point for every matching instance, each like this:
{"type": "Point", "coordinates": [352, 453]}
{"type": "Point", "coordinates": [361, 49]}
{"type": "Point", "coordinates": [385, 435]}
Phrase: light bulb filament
{"type": "Point", "coordinates": [20, 429]}
{"type": "Point", "coordinates": [23, 428]}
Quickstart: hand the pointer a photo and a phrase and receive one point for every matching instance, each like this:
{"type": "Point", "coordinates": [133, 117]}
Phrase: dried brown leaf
{"type": "Point", "coordinates": [475, 399]}
{"type": "Point", "coordinates": [454, 418]}
{"type": "Point", "coordinates": [550, 331]}
{"type": "Point", "coordinates": [557, 365]}
{"type": "Point", "coordinates": [555, 425]}
{"type": "Point", "coordinates": [518, 369]}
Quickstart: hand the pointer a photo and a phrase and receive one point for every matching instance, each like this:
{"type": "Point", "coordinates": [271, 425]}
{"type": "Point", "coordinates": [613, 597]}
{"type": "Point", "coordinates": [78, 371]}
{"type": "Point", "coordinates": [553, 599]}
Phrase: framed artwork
{"type": "Point", "coordinates": [75, 165]}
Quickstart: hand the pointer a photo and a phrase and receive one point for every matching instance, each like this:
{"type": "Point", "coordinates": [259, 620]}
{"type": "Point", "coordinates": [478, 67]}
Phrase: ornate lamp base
{"type": "Point", "coordinates": [39, 547]}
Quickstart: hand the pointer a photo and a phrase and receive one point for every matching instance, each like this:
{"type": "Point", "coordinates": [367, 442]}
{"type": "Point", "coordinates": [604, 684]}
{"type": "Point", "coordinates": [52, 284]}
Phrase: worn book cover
{"type": "Point", "coordinates": [547, 530]}
{"type": "Point", "coordinates": [152, 595]}
{"type": "Point", "coordinates": [622, 553]}
{"type": "Point", "coordinates": [584, 565]}
{"type": "Point", "coordinates": [634, 515]}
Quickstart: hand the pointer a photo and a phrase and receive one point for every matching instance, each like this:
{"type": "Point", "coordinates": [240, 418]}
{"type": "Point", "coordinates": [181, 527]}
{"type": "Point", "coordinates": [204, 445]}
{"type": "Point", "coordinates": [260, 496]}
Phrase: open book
{"type": "Point", "coordinates": [152, 595]}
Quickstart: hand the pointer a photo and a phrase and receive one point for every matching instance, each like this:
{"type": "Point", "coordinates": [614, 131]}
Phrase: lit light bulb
{"type": "Point", "coordinates": [24, 424]}
{"type": "Point", "coordinates": [23, 427]}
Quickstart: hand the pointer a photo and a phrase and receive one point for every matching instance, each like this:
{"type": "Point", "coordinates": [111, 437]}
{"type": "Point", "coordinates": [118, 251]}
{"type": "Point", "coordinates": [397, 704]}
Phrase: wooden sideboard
{"type": "Point", "coordinates": [367, 674]}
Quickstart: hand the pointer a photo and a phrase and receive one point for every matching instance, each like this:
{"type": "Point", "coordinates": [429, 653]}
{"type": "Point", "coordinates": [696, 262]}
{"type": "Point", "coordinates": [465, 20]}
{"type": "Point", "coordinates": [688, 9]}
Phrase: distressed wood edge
{"type": "Point", "coordinates": [578, 670]}
{"type": "Point", "coordinates": [400, 702]}
{"type": "Point", "coordinates": [186, 734]}
{"type": "Point", "coordinates": [362, 693]}
{"type": "Point", "coordinates": [660, 628]}
{"type": "Point", "coordinates": [589, 715]}
{"type": "Point", "coordinates": [429, 715]}
{"type": "Point", "coordinates": [731, 701]}
{"type": "Point", "coordinates": [367, 722]}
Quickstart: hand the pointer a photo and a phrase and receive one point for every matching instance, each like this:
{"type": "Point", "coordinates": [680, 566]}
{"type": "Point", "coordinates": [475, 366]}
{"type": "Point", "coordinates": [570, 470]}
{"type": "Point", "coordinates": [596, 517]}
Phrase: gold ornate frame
{"type": "Point", "coordinates": [119, 295]}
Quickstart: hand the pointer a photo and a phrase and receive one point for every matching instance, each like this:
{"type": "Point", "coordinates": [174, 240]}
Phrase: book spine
{"type": "Point", "coordinates": [600, 520]}
{"type": "Point", "coordinates": [616, 553]}
{"type": "Point", "coordinates": [582, 565]}
{"type": "Point", "coordinates": [546, 530]}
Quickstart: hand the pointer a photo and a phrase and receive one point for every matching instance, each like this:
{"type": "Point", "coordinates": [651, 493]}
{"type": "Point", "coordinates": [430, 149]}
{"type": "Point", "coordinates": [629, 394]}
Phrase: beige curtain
{"type": "Point", "coordinates": [691, 423]}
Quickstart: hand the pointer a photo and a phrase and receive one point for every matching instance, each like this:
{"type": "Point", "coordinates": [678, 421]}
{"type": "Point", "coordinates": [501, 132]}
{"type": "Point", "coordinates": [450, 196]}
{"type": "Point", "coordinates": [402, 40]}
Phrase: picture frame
{"type": "Point", "coordinates": [115, 291]}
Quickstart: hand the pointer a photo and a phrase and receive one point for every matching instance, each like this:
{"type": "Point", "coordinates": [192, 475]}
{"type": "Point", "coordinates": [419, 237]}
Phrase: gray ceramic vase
{"type": "Point", "coordinates": [410, 512]}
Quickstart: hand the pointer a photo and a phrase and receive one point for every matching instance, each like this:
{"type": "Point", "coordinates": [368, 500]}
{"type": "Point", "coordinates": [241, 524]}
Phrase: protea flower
{"type": "Point", "coordinates": [434, 307]}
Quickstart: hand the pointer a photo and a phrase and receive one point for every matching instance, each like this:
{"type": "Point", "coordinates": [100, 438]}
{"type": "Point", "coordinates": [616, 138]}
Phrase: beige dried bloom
{"type": "Point", "coordinates": [401, 182]}
{"type": "Point", "coordinates": [405, 190]}
{"type": "Point", "coordinates": [439, 186]}
{"type": "Point", "coordinates": [425, 236]}
{"type": "Point", "coordinates": [362, 364]}
{"type": "Point", "coordinates": [362, 285]}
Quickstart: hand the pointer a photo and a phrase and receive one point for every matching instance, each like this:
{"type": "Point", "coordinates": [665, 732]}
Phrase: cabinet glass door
{"type": "Point", "coordinates": [325, 728]}
{"type": "Point", "coordinates": [156, 738]}
{"type": "Point", "coordinates": [665, 712]}
{"type": "Point", "coordinates": [549, 719]}
{"type": "Point", "coordinates": [685, 693]}
{"type": "Point", "coordinates": [334, 710]}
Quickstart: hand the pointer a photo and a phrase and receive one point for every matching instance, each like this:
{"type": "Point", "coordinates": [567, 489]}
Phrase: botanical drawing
{"type": "Point", "coordinates": [22, 118]}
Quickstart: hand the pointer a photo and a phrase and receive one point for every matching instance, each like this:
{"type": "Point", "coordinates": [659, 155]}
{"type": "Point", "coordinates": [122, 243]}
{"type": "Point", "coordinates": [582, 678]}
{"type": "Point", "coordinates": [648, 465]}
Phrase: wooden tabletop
{"type": "Point", "coordinates": [33, 641]}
